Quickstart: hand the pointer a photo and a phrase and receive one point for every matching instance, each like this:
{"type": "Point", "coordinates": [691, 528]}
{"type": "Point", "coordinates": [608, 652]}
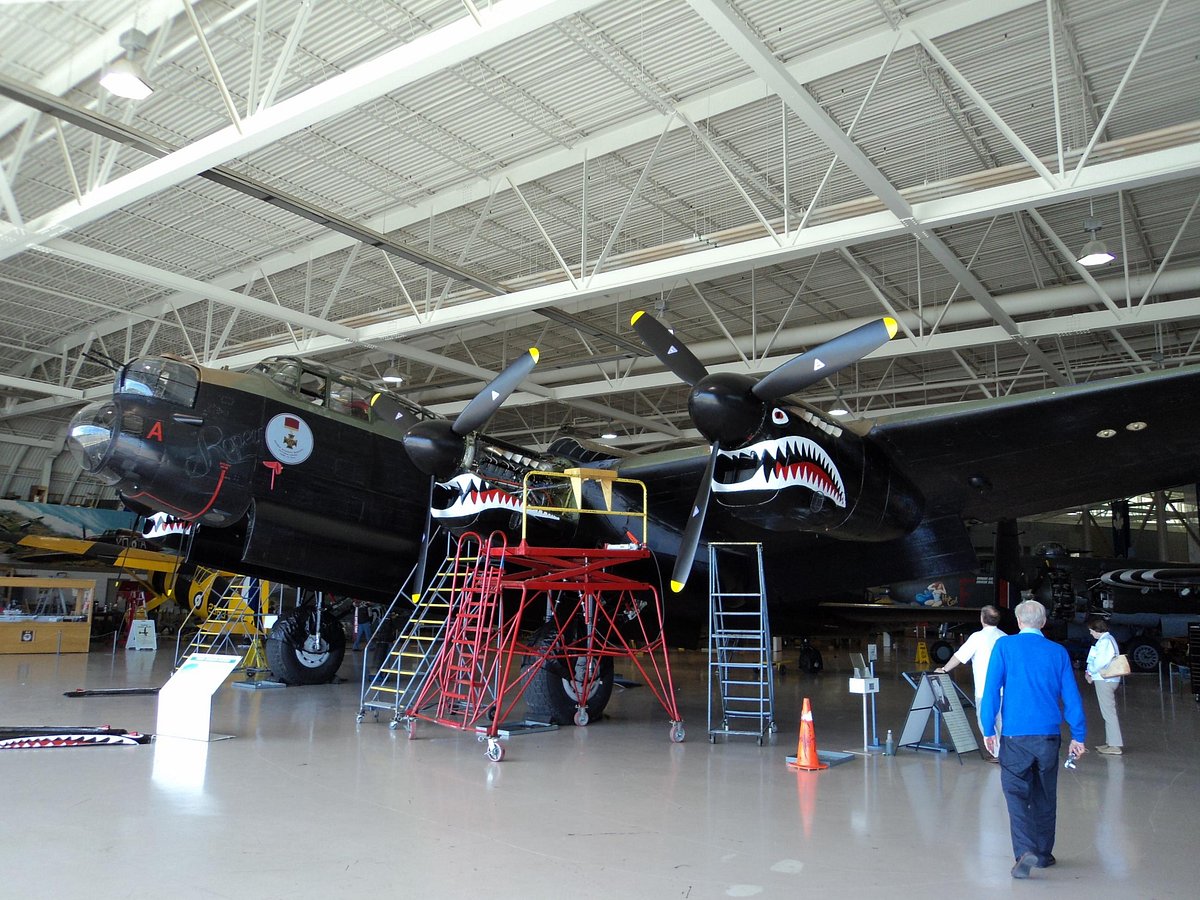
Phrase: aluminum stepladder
{"type": "Point", "coordinates": [411, 657]}
{"type": "Point", "coordinates": [234, 625]}
{"type": "Point", "coordinates": [741, 679]}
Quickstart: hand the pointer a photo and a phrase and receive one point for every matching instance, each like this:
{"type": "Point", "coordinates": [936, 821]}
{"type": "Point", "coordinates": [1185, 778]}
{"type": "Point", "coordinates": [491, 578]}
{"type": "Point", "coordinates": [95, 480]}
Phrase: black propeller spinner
{"type": "Point", "coordinates": [728, 408]}
{"type": "Point", "coordinates": [437, 446]}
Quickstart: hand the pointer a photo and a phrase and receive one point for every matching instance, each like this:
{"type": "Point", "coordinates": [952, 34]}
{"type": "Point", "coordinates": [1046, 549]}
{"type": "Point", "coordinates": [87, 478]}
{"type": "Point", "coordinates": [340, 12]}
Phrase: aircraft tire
{"type": "Point", "coordinates": [551, 698]}
{"type": "Point", "coordinates": [297, 655]}
{"type": "Point", "coordinates": [940, 652]}
{"type": "Point", "coordinates": [1144, 655]}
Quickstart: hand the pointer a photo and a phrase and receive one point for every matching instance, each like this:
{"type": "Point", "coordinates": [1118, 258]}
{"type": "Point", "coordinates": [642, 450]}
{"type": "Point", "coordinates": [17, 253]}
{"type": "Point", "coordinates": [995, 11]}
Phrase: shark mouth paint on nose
{"type": "Point", "coordinates": [778, 464]}
{"type": "Point", "coordinates": [470, 495]}
{"type": "Point", "coordinates": [161, 525]}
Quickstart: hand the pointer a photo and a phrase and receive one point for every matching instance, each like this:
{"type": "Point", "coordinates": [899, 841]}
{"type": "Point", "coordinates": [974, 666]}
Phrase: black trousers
{"type": "Point", "coordinates": [1029, 777]}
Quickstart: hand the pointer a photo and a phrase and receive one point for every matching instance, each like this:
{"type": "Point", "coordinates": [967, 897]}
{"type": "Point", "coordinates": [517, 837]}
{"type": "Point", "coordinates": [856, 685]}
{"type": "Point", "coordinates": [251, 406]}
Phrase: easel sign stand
{"type": "Point", "coordinates": [142, 635]}
{"type": "Point", "coordinates": [937, 696]}
{"type": "Point", "coordinates": [185, 702]}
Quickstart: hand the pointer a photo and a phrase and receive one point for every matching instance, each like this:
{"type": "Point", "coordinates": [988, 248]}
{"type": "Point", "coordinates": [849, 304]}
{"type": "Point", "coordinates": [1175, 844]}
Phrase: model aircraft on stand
{"type": "Point", "coordinates": [313, 477]}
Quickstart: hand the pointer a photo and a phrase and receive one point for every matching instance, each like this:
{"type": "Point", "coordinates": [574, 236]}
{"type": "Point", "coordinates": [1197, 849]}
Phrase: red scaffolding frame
{"type": "Point", "coordinates": [589, 612]}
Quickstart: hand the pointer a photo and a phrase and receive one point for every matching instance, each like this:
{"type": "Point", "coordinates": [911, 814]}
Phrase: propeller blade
{"type": "Point", "coordinates": [487, 401]}
{"type": "Point", "coordinates": [419, 587]}
{"type": "Point", "coordinates": [695, 524]}
{"type": "Point", "coordinates": [670, 351]}
{"type": "Point", "coordinates": [821, 362]}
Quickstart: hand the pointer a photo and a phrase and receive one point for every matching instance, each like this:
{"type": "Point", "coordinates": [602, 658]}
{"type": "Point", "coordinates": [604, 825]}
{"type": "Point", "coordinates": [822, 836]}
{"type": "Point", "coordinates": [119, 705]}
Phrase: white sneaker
{"type": "Point", "coordinates": [1109, 751]}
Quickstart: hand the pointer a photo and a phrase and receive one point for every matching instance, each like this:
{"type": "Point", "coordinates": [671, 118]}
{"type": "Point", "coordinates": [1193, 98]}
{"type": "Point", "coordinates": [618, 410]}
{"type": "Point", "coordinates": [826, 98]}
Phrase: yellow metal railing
{"type": "Point", "coordinates": [576, 478]}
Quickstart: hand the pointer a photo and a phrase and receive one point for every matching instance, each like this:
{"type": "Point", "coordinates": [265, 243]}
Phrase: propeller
{"type": "Point", "coordinates": [436, 446]}
{"type": "Point", "coordinates": [728, 408]}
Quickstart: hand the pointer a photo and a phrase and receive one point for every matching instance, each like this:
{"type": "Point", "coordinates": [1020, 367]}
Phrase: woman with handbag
{"type": "Point", "coordinates": [1103, 652]}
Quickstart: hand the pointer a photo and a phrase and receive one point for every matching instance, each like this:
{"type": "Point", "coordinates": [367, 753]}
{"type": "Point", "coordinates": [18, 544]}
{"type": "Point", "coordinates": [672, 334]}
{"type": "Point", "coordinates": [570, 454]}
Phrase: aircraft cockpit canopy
{"type": "Point", "coordinates": [167, 379]}
{"type": "Point", "coordinates": [339, 392]}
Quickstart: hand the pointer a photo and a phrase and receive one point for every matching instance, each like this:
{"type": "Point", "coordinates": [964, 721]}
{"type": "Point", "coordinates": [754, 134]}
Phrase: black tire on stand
{"type": "Point", "coordinates": [552, 695]}
{"type": "Point", "coordinates": [297, 654]}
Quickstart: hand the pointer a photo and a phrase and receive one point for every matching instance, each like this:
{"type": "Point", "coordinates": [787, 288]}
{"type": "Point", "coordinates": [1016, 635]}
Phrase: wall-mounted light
{"type": "Point", "coordinates": [125, 77]}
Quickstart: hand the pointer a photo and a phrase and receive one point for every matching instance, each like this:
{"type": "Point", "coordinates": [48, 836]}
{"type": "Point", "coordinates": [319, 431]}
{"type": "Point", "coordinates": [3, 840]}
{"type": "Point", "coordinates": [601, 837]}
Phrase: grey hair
{"type": "Point", "coordinates": [1030, 614]}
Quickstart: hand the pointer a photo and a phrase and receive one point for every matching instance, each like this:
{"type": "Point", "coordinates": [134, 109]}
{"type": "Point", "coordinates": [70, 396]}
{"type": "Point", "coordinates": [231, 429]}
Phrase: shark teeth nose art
{"type": "Point", "coordinates": [471, 496]}
{"type": "Point", "coordinates": [778, 464]}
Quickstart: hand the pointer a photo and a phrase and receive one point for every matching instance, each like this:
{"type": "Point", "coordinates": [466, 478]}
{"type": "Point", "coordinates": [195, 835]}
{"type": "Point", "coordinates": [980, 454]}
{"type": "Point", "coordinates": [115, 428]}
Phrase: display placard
{"type": "Point", "coordinates": [936, 697]}
{"type": "Point", "coordinates": [185, 702]}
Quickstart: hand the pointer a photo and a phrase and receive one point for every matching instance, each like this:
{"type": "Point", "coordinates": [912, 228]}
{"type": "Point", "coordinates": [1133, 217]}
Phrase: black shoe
{"type": "Point", "coordinates": [1022, 866]}
{"type": "Point", "coordinates": [1047, 861]}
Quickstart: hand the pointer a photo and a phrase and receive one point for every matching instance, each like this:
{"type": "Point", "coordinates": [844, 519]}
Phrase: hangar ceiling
{"type": "Point", "coordinates": [441, 184]}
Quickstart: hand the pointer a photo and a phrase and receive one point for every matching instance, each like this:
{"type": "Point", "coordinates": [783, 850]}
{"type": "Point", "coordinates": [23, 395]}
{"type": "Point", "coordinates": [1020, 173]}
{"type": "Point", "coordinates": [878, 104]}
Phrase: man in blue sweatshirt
{"type": "Point", "coordinates": [1039, 692]}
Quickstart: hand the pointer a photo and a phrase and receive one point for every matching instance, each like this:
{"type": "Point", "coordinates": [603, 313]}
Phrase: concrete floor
{"type": "Point", "coordinates": [304, 802]}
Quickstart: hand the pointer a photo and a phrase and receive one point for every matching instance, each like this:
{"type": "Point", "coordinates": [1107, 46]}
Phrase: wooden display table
{"type": "Point", "coordinates": [45, 615]}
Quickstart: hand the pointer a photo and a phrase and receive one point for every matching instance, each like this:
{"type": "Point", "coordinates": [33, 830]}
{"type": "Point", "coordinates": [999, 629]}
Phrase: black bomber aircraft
{"type": "Point", "coordinates": [313, 477]}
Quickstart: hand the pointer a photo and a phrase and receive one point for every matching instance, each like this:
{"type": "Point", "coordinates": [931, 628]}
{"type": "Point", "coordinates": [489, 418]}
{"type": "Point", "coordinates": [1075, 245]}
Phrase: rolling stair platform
{"type": "Point", "coordinates": [408, 663]}
{"type": "Point", "coordinates": [741, 682]}
{"type": "Point", "coordinates": [476, 673]}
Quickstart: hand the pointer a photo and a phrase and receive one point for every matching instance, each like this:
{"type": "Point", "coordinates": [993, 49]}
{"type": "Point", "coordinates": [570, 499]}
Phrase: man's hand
{"type": "Point", "coordinates": [992, 744]}
{"type": "Point", "coordinates": [1076, 749]}
{"type": "Point", "coordinates": [1088, 676]}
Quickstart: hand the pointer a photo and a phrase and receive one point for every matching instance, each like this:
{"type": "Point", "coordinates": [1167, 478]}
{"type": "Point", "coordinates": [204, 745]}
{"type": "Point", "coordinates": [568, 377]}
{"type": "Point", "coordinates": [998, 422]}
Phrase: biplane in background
{"type": "Point", "coordinates": [307, 475]}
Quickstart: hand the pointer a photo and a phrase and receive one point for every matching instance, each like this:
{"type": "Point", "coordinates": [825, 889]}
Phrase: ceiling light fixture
{"type": "Point", "coordinates": [392, 376]}
{"type": "Point", "coordinates": [1095, 252]}
{"type": "Point", "coordinates": [608, 436]}
{"type": "Point", "coordinates": [126, 77]}
{"type": "Point", "coordinates": [839, 410]}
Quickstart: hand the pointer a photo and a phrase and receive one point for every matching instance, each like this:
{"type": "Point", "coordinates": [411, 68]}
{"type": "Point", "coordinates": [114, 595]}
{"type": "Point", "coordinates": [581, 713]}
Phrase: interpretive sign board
{"type": "Point", "coordinates": [185, 702]}
{"type": "Point", "coordinates": [936, 698]}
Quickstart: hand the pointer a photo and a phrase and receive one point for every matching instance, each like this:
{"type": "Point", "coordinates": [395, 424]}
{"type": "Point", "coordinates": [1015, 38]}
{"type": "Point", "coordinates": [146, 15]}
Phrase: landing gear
{"type": "Point", "coordinates": [554, 694]}
{"type": "Point", "coordinates": [1144, 655]}
{"type": "Point", "coordinates": [306, 646]}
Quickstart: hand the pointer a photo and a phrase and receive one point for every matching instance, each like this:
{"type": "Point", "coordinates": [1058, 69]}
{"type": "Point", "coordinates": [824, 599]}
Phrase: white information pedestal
{"type": "Point", "coordinates": [864, 686]}
{"type": "Point", "coordinates": [185, 702]}
{"type": "Point", "coordinates": [142, 635]}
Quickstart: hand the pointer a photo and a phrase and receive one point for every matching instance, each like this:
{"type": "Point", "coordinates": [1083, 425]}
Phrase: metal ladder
{"type": "Point", "coordinates": [410, 659]}
{"type": "Point", "coordinates": [741, 679]}
{"type": "Point", "coordinates": [231, 621]}
{"type": "Point", "coordinates": [465, 677]}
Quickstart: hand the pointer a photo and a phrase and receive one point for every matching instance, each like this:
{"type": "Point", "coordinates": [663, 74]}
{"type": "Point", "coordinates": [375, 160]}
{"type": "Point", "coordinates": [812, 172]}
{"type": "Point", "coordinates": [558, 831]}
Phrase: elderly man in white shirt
{"type": "Point", "coordinates": [977, 650]}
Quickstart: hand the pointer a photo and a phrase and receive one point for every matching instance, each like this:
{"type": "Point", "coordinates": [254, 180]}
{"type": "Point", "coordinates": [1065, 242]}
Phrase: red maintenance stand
{"type": "Point", "coordinates": [589, 615]}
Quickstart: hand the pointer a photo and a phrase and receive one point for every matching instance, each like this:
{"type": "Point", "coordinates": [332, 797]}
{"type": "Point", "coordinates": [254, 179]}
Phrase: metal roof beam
{"type": "Point", "coordinates": [876, 44]}
{"type": "Point", "coordinates": [420, 58]}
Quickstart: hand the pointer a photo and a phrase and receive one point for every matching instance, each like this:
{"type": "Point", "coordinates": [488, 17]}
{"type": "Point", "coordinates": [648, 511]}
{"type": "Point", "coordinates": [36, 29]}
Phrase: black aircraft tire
{"type": "Point", "coordinates": [940, 653]}
{"type": "Point", "coordinates": [1144, 655]}
{"type": "Point", "coordinates": [297, 655]}
{"type": "Point", "coordinates": [550, 697]}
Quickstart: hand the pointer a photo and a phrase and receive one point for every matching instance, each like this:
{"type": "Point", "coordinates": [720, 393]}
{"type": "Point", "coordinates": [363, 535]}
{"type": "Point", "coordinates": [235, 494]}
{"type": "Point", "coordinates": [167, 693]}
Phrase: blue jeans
{"type": "Point", "coordinates": [1029, 777]}
{"type": "Point", "coordinates": [365, 629]}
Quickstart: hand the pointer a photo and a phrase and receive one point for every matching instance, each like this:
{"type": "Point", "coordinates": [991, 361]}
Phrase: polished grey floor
{"type": "Point", "coordinates": [304, 802]}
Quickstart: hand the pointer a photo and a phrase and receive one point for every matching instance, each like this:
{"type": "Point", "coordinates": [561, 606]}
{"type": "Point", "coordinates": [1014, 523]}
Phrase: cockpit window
{"type": "Point", "coordinates": [340, 392]}
{"type": "Point", "coordinates": [166, 379]}
{"type": "Point", "coordinates": [350, 398]}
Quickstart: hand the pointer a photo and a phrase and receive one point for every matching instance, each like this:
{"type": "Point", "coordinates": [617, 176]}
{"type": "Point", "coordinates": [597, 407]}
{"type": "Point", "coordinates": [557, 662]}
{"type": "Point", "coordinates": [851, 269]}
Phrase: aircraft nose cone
{"type": "Point", "coordinates": [91, 435]}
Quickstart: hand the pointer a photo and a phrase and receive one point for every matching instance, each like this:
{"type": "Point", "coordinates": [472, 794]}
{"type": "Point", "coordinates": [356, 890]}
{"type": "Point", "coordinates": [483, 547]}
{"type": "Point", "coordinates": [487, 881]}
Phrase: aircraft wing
{"type": "Point", "coordinates": [900, 614]}
{"type": "Point", "coordinates": [1044, 451]}
{"type": "Point", "coordinates": [47, 550]}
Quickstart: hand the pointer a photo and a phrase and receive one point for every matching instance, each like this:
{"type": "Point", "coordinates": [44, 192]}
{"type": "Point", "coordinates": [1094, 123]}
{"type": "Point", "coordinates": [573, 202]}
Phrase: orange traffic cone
{"type": "Point", "coordinates": [806, 752]}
